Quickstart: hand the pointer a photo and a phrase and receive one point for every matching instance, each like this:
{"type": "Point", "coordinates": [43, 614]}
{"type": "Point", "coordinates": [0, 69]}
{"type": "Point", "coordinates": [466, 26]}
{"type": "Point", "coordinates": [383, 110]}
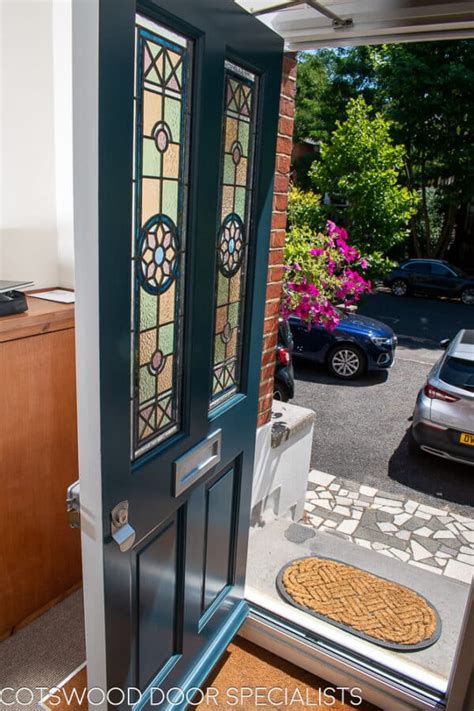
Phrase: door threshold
{"type": "Point", "coordinates": [335, 663]}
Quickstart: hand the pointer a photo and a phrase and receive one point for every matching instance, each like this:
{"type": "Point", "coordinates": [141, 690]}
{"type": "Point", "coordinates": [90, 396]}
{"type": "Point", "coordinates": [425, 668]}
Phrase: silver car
{"type": "Point", "coordinates": [443, 421]}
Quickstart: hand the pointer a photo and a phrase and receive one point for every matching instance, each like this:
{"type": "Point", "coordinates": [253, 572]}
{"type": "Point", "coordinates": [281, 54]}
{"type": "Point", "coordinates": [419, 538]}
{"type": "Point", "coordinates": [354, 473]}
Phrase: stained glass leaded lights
{"type": "Point", "coordinates": [162, 88]}
{"type": "Point", "coordinates": [232, 240]}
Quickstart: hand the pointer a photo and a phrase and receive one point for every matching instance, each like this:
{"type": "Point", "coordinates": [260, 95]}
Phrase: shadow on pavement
{"type": "Point", "coordinates": [432, 475]}
{"type": "Point", "coordinates": [418, 318]}
{"type": "Point", "coordinates": [315, 373]}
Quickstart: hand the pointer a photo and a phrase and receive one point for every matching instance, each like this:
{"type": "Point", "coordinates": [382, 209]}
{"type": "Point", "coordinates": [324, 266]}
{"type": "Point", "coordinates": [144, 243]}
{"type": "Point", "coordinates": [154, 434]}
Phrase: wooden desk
{"type": "Point", "coordinates": [40, 559]}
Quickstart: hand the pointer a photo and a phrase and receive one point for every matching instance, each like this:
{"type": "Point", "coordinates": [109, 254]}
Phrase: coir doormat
{"type": "Point", "coordinates": [364, 604]}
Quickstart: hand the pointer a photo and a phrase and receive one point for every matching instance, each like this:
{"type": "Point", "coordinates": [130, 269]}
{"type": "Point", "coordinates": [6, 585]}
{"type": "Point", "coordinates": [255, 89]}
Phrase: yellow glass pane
{"type": "Point", "coordinates": [231, 129]}
{"type": "Point", "coordinates": [171, 161]}
{"type": "Point", "coordinates": [232, 345]}
{"type": "Point", "coordinates": [147, 346]}
{"type": "Point", "coordinates": [234, 289]}
{"type": "Point", "coordinates": [167, 305]}
{"type": "Point", "coordinates": [165, 378]}
{"type": "Point", "coordinates": [150, 198]}
{"type": "Point", "coordinates": [241, 173]}
{"type": "Point", "coordinates": [221, 318]}
{"type": "Point", "coordinates": [227, 200]}
{"type": "Point", "coordinates": [152, 111]}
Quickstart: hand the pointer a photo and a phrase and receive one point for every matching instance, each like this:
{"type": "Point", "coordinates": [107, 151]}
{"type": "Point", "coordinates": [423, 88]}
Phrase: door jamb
{"type": "Point", "coordinates": [85, 88]}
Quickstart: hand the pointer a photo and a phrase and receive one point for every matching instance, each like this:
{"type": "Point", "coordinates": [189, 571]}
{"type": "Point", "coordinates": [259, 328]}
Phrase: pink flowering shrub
{"type": "Point", "coordinates": [322, 270]}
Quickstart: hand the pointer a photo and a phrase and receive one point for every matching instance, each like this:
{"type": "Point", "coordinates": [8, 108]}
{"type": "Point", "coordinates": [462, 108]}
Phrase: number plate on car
{"type": "Point", "coordinates": [466, 438]}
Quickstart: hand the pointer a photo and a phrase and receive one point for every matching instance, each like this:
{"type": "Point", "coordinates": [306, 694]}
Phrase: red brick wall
{"type": "Point", "coordinates": [277, 238]}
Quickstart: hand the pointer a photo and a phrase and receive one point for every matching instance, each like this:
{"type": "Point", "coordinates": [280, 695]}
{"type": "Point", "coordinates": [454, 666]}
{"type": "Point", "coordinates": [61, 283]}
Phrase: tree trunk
{"type": "Point", "coordinates": [413, 220]}
{"type": "Point", "coordinates": [426, 220]}
{"type": "Point", "coordinates": [446, 234]}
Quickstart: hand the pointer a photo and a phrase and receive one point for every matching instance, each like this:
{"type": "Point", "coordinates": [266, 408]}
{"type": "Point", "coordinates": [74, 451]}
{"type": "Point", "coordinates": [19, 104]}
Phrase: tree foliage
{"type": "Point", "coordinates": [425, 91]}
{"type": "Point", "coordinates": [363, 165]}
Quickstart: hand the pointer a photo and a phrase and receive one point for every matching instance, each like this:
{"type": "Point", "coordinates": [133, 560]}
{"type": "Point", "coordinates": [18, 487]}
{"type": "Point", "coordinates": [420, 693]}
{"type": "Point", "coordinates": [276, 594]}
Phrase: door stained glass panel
{"type": "Point", "coordinates": [161, 128]}
{"type": "Point", "coordinates": [233, 229]}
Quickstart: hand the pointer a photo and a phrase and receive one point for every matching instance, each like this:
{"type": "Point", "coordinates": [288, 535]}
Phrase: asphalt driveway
{"type": "Point", "coordinates": [361, 426]}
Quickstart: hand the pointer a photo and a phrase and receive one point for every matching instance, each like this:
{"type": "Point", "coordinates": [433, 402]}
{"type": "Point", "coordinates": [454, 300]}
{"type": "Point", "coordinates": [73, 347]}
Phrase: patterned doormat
{"type": "Point", "coordinates": [364, 604]}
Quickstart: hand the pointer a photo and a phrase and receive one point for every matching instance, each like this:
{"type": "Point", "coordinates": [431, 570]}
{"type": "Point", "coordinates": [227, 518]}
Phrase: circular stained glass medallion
{"type": "Point", "coordinates": [236, 152]}
{"type": "Point", "coordinates": [231, 245]}
{"type": "Point", "coordinates": [157, 362]}
{"type": "Point", "coordinates": [226, 334]}
{"type": "Point", "coordinates": [162, 135]}
{"type": "Point", "coordinates": [158, 254]}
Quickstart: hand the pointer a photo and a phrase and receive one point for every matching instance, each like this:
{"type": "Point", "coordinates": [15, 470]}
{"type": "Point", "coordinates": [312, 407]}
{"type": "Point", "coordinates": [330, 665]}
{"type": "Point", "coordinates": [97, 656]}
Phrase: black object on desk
{"type": "Point", "coordinates": [11, 300]}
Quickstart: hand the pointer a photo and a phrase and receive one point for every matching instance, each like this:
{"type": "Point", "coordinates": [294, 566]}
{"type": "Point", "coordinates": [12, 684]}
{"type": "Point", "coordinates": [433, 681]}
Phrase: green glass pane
{"type": "Point", "coordinates": [173, 118]}
{"type": "Point", "coordinates": [170, 199]}
{"type": "Point", "coordinates": [222, 290]}
{"type": "Point", "coordinates": [233, 314]}
{"type": "Point", "coordinates": [166, 339]}
{"type": "Point", "coordinates": [229, 170]}
{"type": "Point", "coordinates": [239, 205]}
{"type": "Point", "coordinates": [147, 384]}
{"type": "Point", "coordinates": [147, 310]}
{"type": "Point", "coordinates": [151, 158]}
{"type": "Point", "coordinates": [219, 351]}
{"type": "Point", "coordinates": [244, 129]}
{"type": "Point", "coordinates": [153, 77]}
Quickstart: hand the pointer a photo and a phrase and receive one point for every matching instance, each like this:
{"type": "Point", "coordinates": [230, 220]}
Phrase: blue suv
{"type": "Point", "coordinates": [358, 344]}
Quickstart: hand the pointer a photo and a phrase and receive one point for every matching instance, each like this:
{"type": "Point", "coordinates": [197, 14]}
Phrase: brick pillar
{"type": "Point", "coordinates": [277, 238]}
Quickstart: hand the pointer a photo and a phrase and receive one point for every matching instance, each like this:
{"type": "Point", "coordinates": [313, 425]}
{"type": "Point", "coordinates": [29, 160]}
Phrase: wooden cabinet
{"type": "Point", "coordinates": [40, 559]}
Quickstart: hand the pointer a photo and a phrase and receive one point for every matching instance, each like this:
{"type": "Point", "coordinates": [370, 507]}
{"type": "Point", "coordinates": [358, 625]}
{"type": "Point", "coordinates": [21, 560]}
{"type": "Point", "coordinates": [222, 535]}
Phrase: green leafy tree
{"type": "Point", "coordinates": [327, 80]}
{"type": "Point", "coordinates": [428, 90]}
{"type": "Point", "coordinates": [425, 89]}
{"type": "Point", "coordinates": [361, 166]}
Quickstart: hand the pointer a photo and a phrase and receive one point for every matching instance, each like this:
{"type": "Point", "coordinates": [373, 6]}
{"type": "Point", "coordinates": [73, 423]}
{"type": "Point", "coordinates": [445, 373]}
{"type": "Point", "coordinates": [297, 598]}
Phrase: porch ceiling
{"type": "Point", "coordinates": [373, 21]}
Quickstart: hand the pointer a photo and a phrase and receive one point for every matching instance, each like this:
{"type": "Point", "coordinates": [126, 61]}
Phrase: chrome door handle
{"type": "Point", "coordinates": [73, 505]}
{"type": "Point", "coordinates": [122, 532]}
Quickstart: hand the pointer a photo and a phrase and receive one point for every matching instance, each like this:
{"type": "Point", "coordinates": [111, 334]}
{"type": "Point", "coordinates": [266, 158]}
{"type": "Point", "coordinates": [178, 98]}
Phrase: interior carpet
{"type": "Point", "coordinates": [248, 678]}
{"type": "Point", "coordinates": [251, 678]}
{"type": "Point", "coordinates": [364, 604]}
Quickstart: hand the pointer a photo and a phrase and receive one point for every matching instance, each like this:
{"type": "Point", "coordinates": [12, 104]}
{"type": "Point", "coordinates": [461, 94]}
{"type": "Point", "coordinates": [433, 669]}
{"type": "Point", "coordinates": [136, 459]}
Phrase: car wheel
{"type": "Point", "coordinates": [346, 362]}
{"type": "Point", "coordinates": [399, 287]}
{"type": "Point", "coordinates": [467, 296]}
{"type": "Point", "coordinates": [280, 392]}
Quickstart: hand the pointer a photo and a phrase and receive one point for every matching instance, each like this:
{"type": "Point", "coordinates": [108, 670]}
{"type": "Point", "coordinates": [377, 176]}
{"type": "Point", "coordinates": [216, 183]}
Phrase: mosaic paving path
{"type": "Point", "coordinates": [430, 538]}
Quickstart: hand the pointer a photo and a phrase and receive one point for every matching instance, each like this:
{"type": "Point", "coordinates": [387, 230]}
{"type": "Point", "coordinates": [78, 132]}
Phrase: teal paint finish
{"type": "Point", "coordinates": [174, 601]}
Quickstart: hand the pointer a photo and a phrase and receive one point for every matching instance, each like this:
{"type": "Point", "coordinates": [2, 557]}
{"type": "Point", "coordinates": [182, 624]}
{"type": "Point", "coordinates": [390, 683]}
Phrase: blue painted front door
{"type": "Point", "coordinates": [187, 111]}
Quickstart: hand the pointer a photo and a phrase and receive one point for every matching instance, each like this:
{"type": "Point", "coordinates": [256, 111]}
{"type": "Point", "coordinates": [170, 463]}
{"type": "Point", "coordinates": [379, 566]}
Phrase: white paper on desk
{"type": "Point", "coordinates": [61, 295]}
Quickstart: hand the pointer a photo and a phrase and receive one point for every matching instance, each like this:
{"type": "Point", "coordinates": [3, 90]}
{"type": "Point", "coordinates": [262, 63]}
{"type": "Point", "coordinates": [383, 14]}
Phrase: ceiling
{"type": "Point", "coordinates": [373, 21]}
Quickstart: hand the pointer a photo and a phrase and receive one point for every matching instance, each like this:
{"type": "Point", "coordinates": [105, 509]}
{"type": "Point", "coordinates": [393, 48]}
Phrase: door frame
{"type": "Point", "coordinates": [269, 631]}
{"type": "Point", "coordinates": [98, 58]}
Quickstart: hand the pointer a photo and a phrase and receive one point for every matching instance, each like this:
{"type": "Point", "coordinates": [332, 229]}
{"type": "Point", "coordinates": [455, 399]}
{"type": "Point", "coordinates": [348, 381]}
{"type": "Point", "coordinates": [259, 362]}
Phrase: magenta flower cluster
{"type": "Point", "coordinates": [325, 276]}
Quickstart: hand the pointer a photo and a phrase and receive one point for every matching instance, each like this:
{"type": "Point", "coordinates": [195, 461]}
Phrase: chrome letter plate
{"type": "Point", "coordinates": [194, 464]}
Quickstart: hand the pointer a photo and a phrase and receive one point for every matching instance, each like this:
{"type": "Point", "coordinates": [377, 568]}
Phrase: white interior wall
{"type": "Point", "coordinates": [36, 236]}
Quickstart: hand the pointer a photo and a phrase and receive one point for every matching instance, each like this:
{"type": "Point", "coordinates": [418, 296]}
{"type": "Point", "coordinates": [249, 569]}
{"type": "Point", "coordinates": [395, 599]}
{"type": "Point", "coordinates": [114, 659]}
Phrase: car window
{"type": "Point", "coordinates": [440, 270]}
{"type": "Point", "coordinates": [458, 372]}
{"type": "Point", "coordinates": [417, 268]}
